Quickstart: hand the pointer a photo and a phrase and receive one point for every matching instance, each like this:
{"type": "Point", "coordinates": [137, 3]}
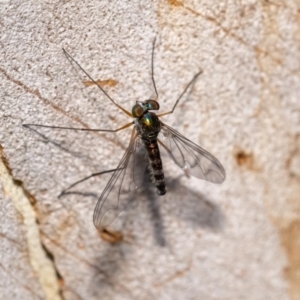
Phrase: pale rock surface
{"type": "Point", "coordinates": [238, 240]}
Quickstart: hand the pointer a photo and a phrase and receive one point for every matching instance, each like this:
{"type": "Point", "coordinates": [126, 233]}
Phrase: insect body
{"type": "Point", "coordinates": [127, 177]}
{"type": "Point", "coordinates": [148, 126]}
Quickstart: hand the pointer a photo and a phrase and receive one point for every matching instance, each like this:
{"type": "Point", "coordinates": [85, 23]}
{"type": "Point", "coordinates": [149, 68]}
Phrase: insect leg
{"type": "Point", "coordinates": [64, 192]}
{"type": "Point", "coordinates": [81, 129]}
{"type": "Point", "coordinates": [184, 91]}
{"type": "Point", "coordinates": [96, 83]}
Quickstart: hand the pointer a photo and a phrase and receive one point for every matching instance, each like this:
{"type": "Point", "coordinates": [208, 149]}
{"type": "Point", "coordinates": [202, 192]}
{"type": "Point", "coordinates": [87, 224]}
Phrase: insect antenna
{"type": "Point", "coordinates": [152, 69]}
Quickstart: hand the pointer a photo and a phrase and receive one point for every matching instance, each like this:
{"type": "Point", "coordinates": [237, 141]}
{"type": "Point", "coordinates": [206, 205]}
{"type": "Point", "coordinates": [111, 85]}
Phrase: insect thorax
{"type": "Point", "coordinates": [148, 125]}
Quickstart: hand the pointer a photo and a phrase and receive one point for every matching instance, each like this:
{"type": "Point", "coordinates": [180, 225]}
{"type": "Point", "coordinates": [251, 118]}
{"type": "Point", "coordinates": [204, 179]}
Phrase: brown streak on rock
{"type": "Point", "coordinates": [109, 82]}
{"type": "Point", "coordinates": [227, 31]}
{"type": "Point", "coordinates": [23, 285]}
{"type": "Point", "coordinates": [16, 181]}
{"type": "Point", "coordinates": [175, 3]}
{"type": "Point", "coordinates": [54, 106]}
{"type": "Point", "coordinates": [246, 159]}
{"type": "Point", "coordinates": [38, 95]}
{"type": "Point", "coordinates": [112, 237]}
{"type": "Point", "coordinates": [293, 154]}
{"type": "Point", "coordinates": [5, 161]}
{"type": "Point", "coordinates": [4, 236]}
{"type": "Point", "coordinates": [176, 275]}
{"type": "Point", "coordinates": [243, 158]}
{"type": "Point", "coordinates": [86, 262]}
{"type": "Point", "coordinates": [33, 202]}
{"type": "Point", "coordinates": [290, 237]}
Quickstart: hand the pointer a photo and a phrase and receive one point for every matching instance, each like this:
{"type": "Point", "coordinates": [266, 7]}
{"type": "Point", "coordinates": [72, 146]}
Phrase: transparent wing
{"type": "Point", "coordinates": [123, 185]}
{"type": "Point", "coordinates": [193, 159]}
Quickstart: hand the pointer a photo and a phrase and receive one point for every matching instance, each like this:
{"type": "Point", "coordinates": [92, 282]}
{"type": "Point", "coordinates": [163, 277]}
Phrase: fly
{"type": "Point", "coordinates": [126, 180]}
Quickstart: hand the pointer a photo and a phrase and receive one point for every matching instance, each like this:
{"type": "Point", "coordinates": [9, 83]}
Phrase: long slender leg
{"type": "Point", "coordinates": [95, 82]}
{"type": "Point", "coordinates": [184, 91]}
{"type": "Point", "coordinates": [82, 129]}
{"type": "Point", "coordinates": [64, 192]}
{"type": "Point", "coordinates": [152, 68]}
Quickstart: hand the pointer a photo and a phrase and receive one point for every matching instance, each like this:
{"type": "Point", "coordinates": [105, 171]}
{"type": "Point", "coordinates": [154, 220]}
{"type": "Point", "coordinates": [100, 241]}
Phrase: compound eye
{"type": "Point", "coordinates": [152, 104]}
{"type": "Point", "coordinates": [137, 111]}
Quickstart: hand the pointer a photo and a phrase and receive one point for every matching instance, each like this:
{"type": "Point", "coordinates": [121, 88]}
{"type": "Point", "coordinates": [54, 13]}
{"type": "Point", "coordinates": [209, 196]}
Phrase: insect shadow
{"type": "Point", "coordinates": [152, 136]}
{"type": "Point", "coordinates": [193, 207]}
{"type": "Point", "coordinates": [55, 143]}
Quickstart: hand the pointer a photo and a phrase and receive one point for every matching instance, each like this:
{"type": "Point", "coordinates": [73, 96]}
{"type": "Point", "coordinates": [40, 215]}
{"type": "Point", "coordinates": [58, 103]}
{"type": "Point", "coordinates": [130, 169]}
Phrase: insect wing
{"type": "Point", "coordinates": [122, 187]}
{"type": "Point", "coordinates": [193, 159]}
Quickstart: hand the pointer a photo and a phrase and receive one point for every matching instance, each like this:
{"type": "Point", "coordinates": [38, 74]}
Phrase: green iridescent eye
{"type": "Point", "coordinates": [152, 104]}
{"type": "Point", "coordinates": [137, 111]}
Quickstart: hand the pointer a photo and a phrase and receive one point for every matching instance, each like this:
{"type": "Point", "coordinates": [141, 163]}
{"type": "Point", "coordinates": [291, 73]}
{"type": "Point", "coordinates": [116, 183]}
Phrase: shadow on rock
{"type": "Point", "coordinates": [195, 208]}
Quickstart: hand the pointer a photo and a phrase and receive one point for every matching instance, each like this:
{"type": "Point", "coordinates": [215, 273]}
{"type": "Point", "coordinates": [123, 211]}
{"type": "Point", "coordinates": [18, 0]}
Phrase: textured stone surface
{"type": "Point", "coordinates": [238, 240]}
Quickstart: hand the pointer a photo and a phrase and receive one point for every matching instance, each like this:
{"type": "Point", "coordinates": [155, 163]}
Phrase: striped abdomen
{"type": "Point", "coordinates": [156, 167]}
